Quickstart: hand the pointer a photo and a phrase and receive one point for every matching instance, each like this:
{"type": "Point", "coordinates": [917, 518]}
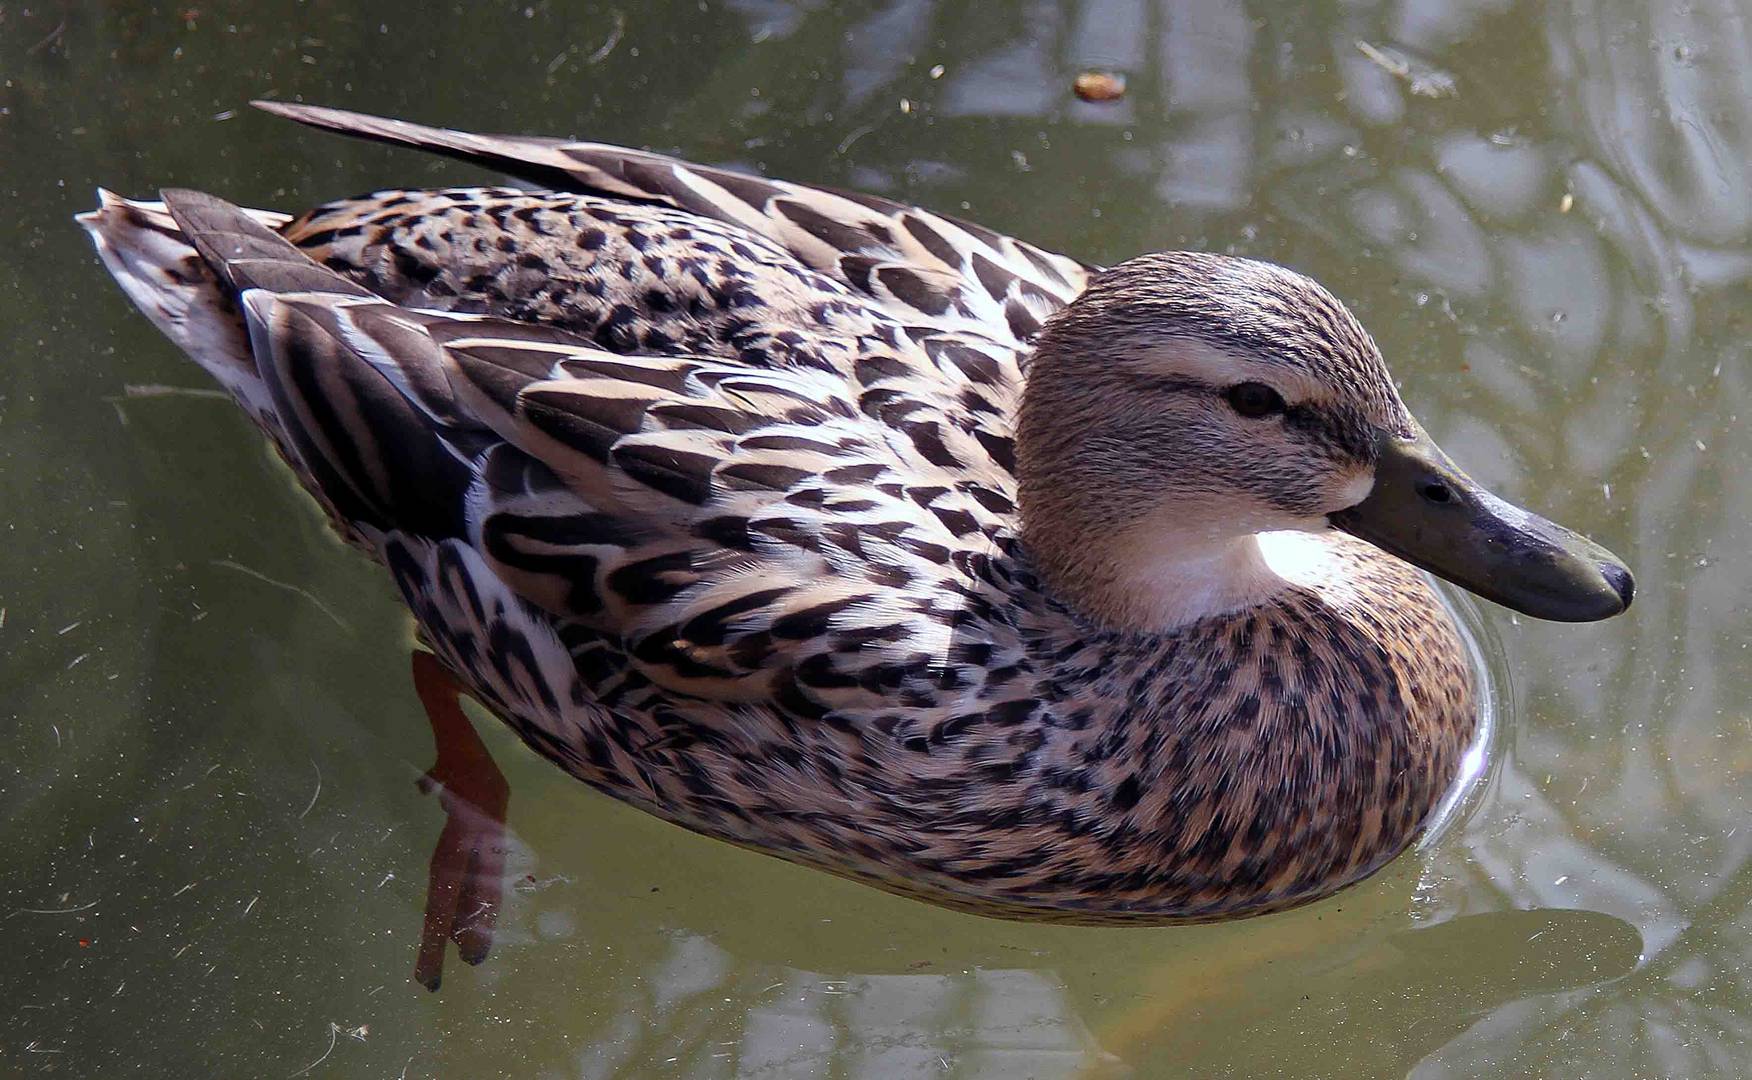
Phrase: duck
{"type": "Point", "coordinates": [864, 536]}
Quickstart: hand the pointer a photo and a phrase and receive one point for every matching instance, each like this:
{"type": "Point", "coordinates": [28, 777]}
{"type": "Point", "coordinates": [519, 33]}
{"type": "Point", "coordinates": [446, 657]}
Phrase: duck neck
{"type": "Point", "coordinates": [1158, 575]}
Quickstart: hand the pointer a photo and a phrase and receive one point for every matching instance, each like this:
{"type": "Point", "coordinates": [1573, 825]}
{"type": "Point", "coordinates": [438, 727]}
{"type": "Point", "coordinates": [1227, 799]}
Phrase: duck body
{"type": "Point", "coordinates": [707, 486]}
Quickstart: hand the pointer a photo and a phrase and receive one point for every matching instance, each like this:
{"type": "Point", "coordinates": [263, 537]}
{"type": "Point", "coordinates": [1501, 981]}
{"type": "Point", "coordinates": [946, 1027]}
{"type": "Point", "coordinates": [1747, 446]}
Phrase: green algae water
{"type": "Point", "coordinates": [212, 852]}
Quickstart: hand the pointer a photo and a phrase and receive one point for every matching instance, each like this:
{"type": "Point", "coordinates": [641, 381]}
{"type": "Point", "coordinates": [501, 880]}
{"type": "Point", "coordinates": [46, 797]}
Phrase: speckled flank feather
{"type": "Point", "coordinates": [706, 485]}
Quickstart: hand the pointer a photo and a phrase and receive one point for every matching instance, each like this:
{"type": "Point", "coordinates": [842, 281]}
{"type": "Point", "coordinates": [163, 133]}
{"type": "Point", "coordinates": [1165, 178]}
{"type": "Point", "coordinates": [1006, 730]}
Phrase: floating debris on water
{"type": "Point", "coordinates": [1424, 80]}
{"type": "Point", "coordinates": [614, 38]}
{"type": "Point", "coordinates": [152, 390]}
{"type": "Point", "coordinates": [1099, 86]}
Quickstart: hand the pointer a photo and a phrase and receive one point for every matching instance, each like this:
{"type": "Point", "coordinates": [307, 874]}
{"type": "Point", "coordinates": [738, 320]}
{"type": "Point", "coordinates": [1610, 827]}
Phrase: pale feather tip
{"type": "Point", "coordinates": [92, 219]}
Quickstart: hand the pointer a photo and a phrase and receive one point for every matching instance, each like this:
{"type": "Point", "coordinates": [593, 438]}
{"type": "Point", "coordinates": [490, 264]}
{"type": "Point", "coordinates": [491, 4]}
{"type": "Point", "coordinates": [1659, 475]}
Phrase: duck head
{"type": "Point", "coordinates": [1188, 406]}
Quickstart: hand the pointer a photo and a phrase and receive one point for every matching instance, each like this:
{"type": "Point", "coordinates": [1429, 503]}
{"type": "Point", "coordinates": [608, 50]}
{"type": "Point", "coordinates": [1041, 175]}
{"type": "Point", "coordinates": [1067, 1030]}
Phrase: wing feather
{"type": "Point", "coordinates": [733, 533]}
{"type": "Point", "coordinates": [922, 266]}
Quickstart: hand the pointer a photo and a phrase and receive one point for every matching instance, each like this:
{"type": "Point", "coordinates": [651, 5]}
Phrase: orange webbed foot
{"type": "Point", "coordinates": [468, 864]}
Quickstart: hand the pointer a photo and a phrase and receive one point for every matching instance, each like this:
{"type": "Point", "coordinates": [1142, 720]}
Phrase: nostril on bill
{"type": "Point", "coordinates": [1435, 491]}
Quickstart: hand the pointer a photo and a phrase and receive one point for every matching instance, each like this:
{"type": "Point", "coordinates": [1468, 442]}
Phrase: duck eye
{"type": "Point", "coordinates": [1255, 400]}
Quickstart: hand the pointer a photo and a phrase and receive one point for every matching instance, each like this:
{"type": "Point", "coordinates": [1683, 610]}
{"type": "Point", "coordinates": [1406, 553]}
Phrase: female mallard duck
{"type": "Point", "coordinates": [873, 539]}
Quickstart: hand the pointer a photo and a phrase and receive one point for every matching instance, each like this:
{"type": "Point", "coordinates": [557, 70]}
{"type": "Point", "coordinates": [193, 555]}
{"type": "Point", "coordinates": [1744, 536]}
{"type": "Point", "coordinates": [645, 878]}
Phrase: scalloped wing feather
{"type": "Point", "coordinates": [732, 527]}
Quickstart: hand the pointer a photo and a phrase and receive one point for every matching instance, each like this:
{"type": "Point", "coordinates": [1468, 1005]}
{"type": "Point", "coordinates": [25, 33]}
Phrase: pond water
{"type": "Point", "coordinates": [212, 854]}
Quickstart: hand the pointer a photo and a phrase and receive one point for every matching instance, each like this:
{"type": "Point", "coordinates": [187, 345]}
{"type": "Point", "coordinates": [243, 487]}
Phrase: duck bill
{"type": "Point", "coordinates": [1424, 510]}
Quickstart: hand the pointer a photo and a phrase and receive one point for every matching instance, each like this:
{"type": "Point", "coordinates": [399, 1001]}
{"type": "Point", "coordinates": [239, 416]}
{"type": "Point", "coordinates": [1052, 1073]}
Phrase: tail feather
{"type": "Point", "coordinates": [172, 285]}
{"type": "Point", "coordinates": [263, 319]}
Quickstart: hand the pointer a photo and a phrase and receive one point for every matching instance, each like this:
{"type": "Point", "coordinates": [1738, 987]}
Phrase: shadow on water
{"type": "Point", "coordinates": [213, 856]}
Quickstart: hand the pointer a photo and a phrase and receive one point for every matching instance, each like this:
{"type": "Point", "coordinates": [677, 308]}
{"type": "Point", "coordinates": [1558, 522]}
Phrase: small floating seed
{"type": "Point", "coordinates": [1099, 86]}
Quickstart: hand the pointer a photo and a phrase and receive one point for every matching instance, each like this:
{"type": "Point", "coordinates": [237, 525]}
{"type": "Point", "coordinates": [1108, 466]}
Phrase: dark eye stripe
{"type": "Point", "coordinates": [1339, 429]}
{"type": "Point", "coordinates": [1172, 384]}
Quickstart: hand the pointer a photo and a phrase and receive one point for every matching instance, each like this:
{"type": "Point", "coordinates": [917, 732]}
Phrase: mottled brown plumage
{"type": "Point", "coordinates": [778, 514]}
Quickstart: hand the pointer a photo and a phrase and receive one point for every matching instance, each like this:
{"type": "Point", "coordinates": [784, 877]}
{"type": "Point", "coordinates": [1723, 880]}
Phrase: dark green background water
{"type": "Point", "coordinates": [212, 853]}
